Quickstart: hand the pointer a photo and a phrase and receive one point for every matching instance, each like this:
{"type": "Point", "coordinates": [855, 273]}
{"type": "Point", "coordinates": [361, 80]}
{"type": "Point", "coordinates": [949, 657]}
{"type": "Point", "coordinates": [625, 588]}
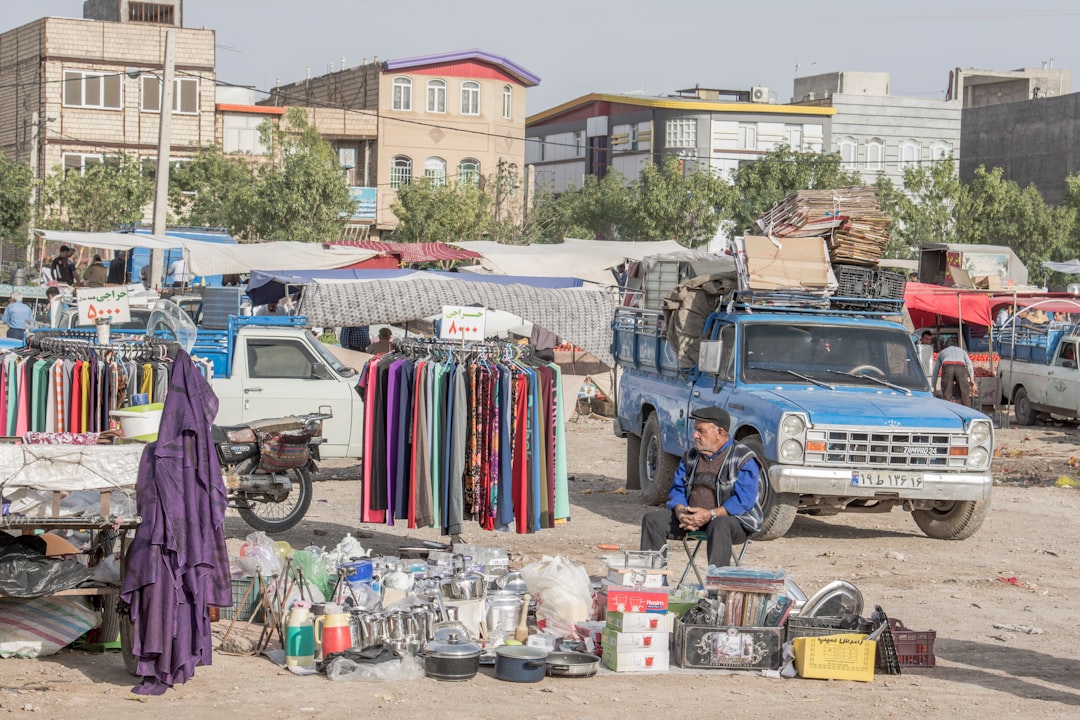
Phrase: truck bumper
{"type": "Point", "coordinates": [840, 483]}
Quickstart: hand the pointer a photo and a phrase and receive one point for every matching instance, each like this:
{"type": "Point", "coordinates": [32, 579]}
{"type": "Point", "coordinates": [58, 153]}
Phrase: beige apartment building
{"type": "Point", "coordinates": [75, 91]}
{"type": "Point", "coordinates": [451, 117]}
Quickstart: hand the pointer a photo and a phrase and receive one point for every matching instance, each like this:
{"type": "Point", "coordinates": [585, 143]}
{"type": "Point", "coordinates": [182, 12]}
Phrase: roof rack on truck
{"type": "Point", "coordinates": [804, 302]}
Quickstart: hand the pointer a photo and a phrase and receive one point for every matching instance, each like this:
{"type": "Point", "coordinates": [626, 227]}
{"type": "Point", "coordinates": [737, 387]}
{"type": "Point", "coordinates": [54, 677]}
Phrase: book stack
{"type": "Point", "coordinates": [752, 597]}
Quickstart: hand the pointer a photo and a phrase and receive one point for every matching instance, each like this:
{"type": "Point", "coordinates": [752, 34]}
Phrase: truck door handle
{"type": "Point", "coordinates": [736, 406]}
{"type": "Point", "coordinates": [697, 393]}
{"type": "Point", "coordinates": [252, 389]}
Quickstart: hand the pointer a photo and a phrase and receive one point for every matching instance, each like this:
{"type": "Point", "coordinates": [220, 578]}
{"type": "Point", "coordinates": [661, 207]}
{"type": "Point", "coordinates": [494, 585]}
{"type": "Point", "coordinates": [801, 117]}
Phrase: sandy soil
{"type": "Point", "coordinates": [955, 588]}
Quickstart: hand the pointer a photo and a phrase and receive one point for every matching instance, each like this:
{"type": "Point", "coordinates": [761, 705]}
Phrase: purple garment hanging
{"type": "Point", "coordinates": [178, 565]}
{"type": "Point", "coordinates": [393, 376]}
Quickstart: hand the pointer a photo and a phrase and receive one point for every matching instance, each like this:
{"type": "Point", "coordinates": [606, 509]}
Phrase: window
{"type": "Point", "coordinates": [747, 137]}
{"type": "Point", "coordinates": [849, 152]}
{"type": "Point", "coordinates": [470, 98]}
{"type": "Point", "coordinates": [400, 172]}
{"type": "Point", "coordinates": [281, 359]}
{"type": "Point", "coordinates": [146, 12]}
{"type": "Point", "coordinates": [79, 162]}
{"type": "Point", "coordinates": [682, 133]}
{"type": "Point", "coordinates": [148, 165]}
{"type": "Point", "coordinates": [793, 136]}
{"type": "Point", "coordinates": [940, 151]}
{"type": "Point", "coordinates": [402, 93]}
{"type": "Point", "coordinates": [92, 89]}
{"type": "Point", "coordinates": [469, 172]}
{"type": "Point", "coordinates": [185, 95]}
{"type": "Point", "coordinates": [240, 134]}
{"type": "Point", "coordinates": [875, 154]}
{"type": "Point", "coordinates": [508, 101]}
{"type": "Point", "coordinates": [436, 96]}
{"type": "Point", "coordinates": [910, 154]}
{"type": "Point", "coordinates": [435, 171]}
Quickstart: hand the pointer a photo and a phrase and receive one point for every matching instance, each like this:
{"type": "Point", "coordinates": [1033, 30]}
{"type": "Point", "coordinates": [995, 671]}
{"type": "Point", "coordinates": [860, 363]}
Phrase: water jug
{"type": "Point", "coordinates": [333, 632]}
{"type": "Point", "coordinates": [300, 637]}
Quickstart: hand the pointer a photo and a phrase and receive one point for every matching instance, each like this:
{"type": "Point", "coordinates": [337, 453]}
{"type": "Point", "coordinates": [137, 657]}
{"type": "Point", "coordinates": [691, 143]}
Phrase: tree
{"type": "Point", "coordinates": [302, 195]}
{"type": "Point", "coordinates": [763, 183]}
{"type": "Point", "coordinates": [15, 184]}
{"type": "Point", "coordinates": [923, 209]}
{"type": "Point", "coordinates": [106, 194]}
{"type": "Point", "coordinates": [671, 205]}
{"type": "Point", "coordinates": [605, 207]}
{"type": "Point", "coordinates": [433, 212]}
{"type": "Point", "coordinates": [216, 190]}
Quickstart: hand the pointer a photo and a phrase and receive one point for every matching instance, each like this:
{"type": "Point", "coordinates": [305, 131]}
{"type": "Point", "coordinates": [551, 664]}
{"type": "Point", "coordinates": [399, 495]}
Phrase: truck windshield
{"type": "Point", "coordinates": [832, 354]}
{"type": "Point", "coordinates": [329, 358]}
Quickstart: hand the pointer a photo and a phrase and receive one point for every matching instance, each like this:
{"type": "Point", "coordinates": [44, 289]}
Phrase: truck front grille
{"type": "Point", "coordinates": [848, 448]}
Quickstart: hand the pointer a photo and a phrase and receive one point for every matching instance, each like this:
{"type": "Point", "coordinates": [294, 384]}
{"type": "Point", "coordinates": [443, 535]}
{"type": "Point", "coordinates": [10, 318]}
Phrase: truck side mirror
{"type": "Point", "coordinates": [709, 356]}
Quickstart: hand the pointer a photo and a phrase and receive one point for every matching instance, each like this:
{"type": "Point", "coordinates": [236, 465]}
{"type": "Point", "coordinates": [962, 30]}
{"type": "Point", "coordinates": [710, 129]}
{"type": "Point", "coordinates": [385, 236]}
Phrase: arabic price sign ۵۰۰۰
{"type": "Point", "coordinates": [462, 323]}
{"type": "Point", "coordinates": [104, 302]}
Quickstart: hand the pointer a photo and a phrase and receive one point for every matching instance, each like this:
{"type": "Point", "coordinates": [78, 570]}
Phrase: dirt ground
{"type": "Point", "coordinates": [1003, 603]}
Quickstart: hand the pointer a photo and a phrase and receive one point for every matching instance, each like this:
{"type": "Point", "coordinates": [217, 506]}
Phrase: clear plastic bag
{"type": "Point", "coordinates": [405, 668]}
{"type": "Point", "coordinates": [564, 594]}
{"type": "Point", "coordinates": [258, 553]}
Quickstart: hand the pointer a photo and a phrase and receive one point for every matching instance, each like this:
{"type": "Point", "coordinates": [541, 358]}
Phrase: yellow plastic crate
{"type": "Point", "coordinates": [846, 656]}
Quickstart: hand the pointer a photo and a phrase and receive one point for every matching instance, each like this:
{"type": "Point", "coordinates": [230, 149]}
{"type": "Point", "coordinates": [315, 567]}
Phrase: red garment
{"type": "Point", "coordinates": [521, 439]}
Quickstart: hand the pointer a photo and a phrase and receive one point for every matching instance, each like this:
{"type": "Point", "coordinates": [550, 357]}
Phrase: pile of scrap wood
{"type": "Point", "coordinates": [849, 218]}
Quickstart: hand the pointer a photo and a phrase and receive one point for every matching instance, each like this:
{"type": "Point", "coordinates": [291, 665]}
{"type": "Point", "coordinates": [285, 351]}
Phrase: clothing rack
{"type": "Point", "coordinates": [414, 347]}
{"type": "Point", "coordinates": [65, 341]}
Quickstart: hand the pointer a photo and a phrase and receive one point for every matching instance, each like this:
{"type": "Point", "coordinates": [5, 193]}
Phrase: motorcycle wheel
{"type": "Point", "coordinates": [270, 516]}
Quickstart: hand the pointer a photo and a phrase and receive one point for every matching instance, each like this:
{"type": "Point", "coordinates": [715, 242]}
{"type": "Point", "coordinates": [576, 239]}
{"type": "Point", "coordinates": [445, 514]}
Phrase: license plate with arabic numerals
{"type": "Point", "coordinates": [893, 479]}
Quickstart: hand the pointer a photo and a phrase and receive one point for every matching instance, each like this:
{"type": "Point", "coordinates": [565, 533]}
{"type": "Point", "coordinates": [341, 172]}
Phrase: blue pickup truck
{"type": "Point", "coordinates": [834, 401]}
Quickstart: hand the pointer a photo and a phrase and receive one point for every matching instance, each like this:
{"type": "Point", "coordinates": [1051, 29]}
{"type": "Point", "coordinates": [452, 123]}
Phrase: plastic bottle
{"type": "Point", "coordinates": [300, 637]}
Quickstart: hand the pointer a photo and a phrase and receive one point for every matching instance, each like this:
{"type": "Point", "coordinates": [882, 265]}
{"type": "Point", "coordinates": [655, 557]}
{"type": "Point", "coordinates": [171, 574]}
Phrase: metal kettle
{"type": "Point", "coordinates": [462, 585]}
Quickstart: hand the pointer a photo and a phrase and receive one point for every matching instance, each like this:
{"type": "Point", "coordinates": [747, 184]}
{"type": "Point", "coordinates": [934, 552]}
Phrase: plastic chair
{"type": "Point", "coordinates": [700, 539]}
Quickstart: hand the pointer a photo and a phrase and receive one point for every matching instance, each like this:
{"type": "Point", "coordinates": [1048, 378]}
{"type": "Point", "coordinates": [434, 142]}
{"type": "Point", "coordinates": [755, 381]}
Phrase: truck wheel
{"type": "Point", "coordinates": [956, 520]}
{"type": "Point", "coordinates": [1022, 407]}
{"type": "Point", "coordinates": [656, 468]}
{"type": "Point", "coordinates": [633, 462]}
{"type": "Point", "coordinates": [779, 508]}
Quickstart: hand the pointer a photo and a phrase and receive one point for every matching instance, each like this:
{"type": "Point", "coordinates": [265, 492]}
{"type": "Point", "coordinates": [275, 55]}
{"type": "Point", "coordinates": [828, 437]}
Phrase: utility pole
{"type": "Point", "coordinates": [161, 184]}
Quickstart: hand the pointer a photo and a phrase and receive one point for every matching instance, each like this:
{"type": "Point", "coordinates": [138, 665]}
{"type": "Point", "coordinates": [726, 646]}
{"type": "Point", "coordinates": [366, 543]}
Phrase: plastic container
{"type": "Point", "coordinates": [140, 422]}
{"type": "Point", "coordinates": [847, 656]}
{"type": "Point", "coordinates": [914, 648]}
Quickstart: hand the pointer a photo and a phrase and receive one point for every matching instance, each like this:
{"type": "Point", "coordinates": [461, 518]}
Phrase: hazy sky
{"type": "Point", "coordinates": [583, 46]}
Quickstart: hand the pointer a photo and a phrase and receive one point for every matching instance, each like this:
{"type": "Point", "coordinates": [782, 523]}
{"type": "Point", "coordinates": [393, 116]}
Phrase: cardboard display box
{"type": "Point", "coordinates": [640, 622]}
{"type": "Point", "coordinates": [636, 660]}
{"type": "Point", "coordinates": [728, 648]}
{"type": "Point", "coordinates": [638, 577]}
{"type": "Point", "coordinates": [624, 641]}
{"type": "Point", "coordinates": [628, 599]}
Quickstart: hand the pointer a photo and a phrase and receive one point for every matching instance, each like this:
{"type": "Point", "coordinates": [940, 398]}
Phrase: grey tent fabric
{"type": "Point", "coordinates": [686, 308]}
{"type": "Point", "coordinates": [581, 316]}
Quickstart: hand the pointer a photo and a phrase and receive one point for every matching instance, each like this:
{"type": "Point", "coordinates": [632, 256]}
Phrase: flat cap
{"type": "Point", "coordinates": [715, 415]}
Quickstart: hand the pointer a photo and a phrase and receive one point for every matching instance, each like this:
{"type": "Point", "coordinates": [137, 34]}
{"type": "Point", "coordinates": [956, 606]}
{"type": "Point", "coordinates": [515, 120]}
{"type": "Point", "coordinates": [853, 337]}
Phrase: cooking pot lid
{"type": "Point", "coordinates": [836, 599]}
{"type": "Point", "coordinates": [453, 646]}
{"type": "Point", "coordinates": [521, 652]}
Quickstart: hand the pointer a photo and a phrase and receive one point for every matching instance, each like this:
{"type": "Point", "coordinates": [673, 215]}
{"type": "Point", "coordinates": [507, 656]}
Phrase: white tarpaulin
{"type": "Point", "coordinates": [69, 467]}
{"type": "Point", "coordinates": [585, 259]}
{"type": "Point", "coordinates": [110, 240]}
{"type": "Point", "coordinates": [208, 258]}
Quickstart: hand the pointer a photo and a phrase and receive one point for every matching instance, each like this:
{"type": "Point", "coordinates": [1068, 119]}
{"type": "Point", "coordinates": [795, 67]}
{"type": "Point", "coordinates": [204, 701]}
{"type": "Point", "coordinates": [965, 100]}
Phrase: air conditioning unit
{"type": "Point", "coordinates": [759, 94]}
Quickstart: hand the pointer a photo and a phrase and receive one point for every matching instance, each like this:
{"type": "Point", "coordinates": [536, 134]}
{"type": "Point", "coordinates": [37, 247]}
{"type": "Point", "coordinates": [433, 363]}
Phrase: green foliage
{"type": "Point", "coordinates": [605, 207]}
{"type": "Point", "coordinates": [923, 210]}
{"type": "Point", "coordinates": [106, 194]}
{"type": "Point", "coordinates": [763, 183]}
{"type": "Point", "coordinates": [671, 205]}
{"type": "Point", "coordinates": [15, 183]}
{"type": "Point", "coordinates": [430, 212]}
{"type": "Point", "coordinates": [216, 190]}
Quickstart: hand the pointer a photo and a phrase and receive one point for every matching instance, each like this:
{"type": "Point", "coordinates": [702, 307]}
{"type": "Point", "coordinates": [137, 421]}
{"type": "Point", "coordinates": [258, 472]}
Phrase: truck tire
{"type": "Point", "coordinates": [779, 508]}
{"type": "Point", "coordinates": [952, 520]}
{"type": "Point", "coordinates": [1022, 407]}
{"type": "Point", "coordinates": [656, 468]}
{"type": "Point", "coordinates": [633, 462]}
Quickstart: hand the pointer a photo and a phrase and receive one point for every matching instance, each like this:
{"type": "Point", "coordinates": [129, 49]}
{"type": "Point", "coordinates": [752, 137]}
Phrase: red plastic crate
{"type": "Point", "coordinates": [914, 648]}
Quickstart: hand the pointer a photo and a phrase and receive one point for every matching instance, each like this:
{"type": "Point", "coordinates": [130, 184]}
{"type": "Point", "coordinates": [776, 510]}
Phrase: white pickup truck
{"type": "Point", "coordinates": [1039, 374]}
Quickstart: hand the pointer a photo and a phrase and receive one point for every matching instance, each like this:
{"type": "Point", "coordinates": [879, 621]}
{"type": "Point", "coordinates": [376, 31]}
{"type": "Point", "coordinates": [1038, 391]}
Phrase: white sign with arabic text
{"type": "Point", "coordinates": [103, 302]}
{"type": "Point", "coordinates": [462, 323]}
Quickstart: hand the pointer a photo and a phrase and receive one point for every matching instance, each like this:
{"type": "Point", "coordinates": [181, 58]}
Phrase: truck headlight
{"type": "Point", "coordinates": [793, 425]}
{"type": "Point", "coordinates": [980, 432]}
{"type": "Point", "coordinates": [978, 457]}
{"type": "Point", "coordinates": [791, 451]}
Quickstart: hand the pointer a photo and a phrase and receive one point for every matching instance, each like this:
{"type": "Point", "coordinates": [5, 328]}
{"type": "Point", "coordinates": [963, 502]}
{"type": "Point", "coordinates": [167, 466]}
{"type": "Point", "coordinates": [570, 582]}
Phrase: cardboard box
{"type": "Point", "coordinates": [728, 648]}
{"type": "Point", "coordinates": [636, 660]}
{"type": "Point", "coordinates": [640, 622]}
{"type": "Point", "coordinates": [847, 656]}
{"type": "Point", "coordinates": [625, 641]}
{"type": "Point", "coordinates": [796, 263]}
{"type": "Point", "coordinates": [625, 598]}
{"type": "Point", "coordinates": [637, 577]}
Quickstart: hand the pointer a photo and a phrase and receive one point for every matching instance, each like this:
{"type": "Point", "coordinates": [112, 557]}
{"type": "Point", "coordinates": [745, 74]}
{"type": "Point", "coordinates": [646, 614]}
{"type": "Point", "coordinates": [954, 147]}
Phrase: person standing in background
{"type": "Point", "coordinates": [117, 269]}
{"type": "Point", "coordinates": [95, 274]}
{"type": "Point", "coordinates": [179, 273]}
{"type": "Point", "coordinates": [956, 373]}
{"type": "Point", "coordinates": [56, 305]}
{"type": "Point", "coordinates": [63, 267]}
{"type": "Point", "coordinates": [18, 317]}
{"type": "Point", "coordinates": [355, 338]}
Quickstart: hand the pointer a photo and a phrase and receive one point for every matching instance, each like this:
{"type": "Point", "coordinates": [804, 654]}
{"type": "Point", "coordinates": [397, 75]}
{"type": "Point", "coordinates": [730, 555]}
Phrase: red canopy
{"type": "Point", "coordinates": [1047, 302]}
{"type": "Point", "coordinates": [414, 252]}
{"type": "Point", "coordinates": [927, 302]}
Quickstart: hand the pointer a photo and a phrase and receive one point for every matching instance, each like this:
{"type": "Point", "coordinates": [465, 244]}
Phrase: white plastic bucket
{"type": "Point", "coordinates": [140, 422]}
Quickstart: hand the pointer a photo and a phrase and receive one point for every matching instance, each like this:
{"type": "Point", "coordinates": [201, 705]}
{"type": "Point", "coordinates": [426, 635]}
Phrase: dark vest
{"type": "Point", "coordinates": [723, 479]}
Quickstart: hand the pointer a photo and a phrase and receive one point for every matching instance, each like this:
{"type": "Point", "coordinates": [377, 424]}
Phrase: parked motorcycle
{"type": "Point", "coordinates": [267, 466]}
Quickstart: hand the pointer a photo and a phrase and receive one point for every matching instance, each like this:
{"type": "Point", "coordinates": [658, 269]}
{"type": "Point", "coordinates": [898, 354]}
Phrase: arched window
{"type": "Point", "coordinates": [849, 152]}
{"type": "Point", "coordinates": [875, 154]}
{"type": "Point", "coordinates": [400, 171]}
{"type": "Point", "coordinates": [470, 98]}
{"type": "Point", "coordinates": [436, 96]}
{"type": "Point", "coordinates": [910, 154]}
{"type": "Point", "coordinates": [940, 150]}
{"type": "Point", "coordinates": [435, 171]}
{"type": "Point", "coordinates": [402, 93]}
{"type": "Point", "coordinates": [508, 101]}
{"type": "Point", "coordinates": [469, 172]}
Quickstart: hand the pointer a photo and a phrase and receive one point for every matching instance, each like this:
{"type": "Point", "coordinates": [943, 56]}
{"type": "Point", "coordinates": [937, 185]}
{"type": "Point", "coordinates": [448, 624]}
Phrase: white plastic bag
{"type": "Point", "coordinates": [563, 594]}
{"type": "Point", "coordinates": [260, 554]}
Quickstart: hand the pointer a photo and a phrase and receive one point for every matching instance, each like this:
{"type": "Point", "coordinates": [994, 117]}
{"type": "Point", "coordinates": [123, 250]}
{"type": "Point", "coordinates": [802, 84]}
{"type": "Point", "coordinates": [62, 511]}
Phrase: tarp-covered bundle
{"type": "Point", "coordinates": [687, 308]}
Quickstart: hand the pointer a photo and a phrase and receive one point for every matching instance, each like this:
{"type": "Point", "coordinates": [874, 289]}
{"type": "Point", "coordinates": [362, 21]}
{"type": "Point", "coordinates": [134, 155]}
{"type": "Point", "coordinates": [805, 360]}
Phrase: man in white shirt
{"type": "Point", "coordinates": [179, 274]}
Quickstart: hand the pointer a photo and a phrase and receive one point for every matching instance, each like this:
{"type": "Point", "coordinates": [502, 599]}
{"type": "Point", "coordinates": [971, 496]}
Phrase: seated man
{"type": "Point", "coordinates": [715, 490]}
